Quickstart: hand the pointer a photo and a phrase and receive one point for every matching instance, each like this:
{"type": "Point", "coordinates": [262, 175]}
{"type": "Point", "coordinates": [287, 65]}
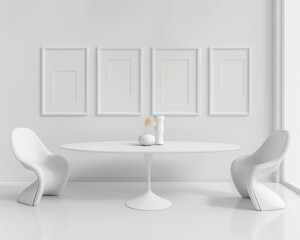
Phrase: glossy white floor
{"type": "Point", "coordinates": [97, 211]}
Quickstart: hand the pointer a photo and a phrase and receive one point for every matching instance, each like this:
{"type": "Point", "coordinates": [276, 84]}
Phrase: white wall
{"type": "Point", "coordinates": [291, 90]}
{"type": "Point", "coordinates": [26, 26]}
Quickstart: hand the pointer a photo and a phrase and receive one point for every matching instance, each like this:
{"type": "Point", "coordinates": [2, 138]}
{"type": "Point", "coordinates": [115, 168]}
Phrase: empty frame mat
{"type": "Point", "coordinates": [229, 81]}
{"type": "Point", "coordinates": [175, 81]}
{"type": "Point", "coordinates": [119, 81]}
{"type": "Point", "coordinates": [64, 76]}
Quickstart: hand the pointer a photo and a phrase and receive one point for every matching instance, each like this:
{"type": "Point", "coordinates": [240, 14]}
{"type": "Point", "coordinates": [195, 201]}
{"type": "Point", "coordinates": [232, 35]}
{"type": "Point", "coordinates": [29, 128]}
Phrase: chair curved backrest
{"type": "Point", "coordinates": [273, 148]}
{"type": "Point", "coordinates": [27, 146]}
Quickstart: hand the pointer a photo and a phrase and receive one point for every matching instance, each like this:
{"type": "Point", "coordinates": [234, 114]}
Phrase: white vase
{"type": "Point", "coordinates": [146, 139]}
{"type": "Point", "coordinates": [159, 130]}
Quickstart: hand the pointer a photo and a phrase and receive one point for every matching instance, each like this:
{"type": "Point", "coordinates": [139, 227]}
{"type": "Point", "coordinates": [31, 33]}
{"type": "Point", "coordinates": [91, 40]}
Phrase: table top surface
{"type": "Point", "coordinates": [134, 147]}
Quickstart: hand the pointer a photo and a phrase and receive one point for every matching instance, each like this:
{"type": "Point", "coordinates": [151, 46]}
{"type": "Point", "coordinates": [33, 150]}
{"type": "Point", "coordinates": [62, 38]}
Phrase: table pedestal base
{"type": "Point", "coordinates": [148, 201]}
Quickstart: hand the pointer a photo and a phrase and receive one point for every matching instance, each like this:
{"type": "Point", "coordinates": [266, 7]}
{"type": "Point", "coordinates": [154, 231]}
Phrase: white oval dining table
{"type": "Point", "coordinates": [149, 200]}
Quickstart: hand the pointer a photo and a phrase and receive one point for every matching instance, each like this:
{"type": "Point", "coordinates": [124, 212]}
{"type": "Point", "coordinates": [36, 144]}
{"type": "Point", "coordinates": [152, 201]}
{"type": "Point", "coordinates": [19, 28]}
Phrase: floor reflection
{"type": "Point", "coordinates": [255, 225]}
{"type": "Point", "coordinates": [94, 211]}
{"type": "Point", "coordinates": [22, 224]}
{"type": "Point", "coordinates": [53, 221]}
{"type": "Point", "coordinates": [42, 222]}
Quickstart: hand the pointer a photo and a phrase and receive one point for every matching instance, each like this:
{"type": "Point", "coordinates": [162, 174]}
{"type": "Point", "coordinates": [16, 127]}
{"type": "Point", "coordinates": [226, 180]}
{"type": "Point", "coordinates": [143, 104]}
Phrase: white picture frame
{"type": "Point", "coordinates": [122, 67]}
{"type": "Point", "coordinates": [186, 61]}
{"type": "Point", "coordinates": [229, 81]}
{"type": "Point", "coordinates": [64, 81]}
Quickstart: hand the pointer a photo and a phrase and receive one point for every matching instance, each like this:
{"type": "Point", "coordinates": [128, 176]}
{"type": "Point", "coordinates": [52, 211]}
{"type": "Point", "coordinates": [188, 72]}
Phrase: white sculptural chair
{"type": "Point", "coordinates": [52, 170]}
{"type": "Point", "coordinates": [245, 169]}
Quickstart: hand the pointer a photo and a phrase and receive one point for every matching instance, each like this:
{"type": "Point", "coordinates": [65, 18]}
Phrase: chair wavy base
{"type": "Point", "coordinates": [245, 169]}
{"type": "Point", "coordinates": [264, 199]}
{"type": "Point", "coordinates": [32, 195]}
{"type": "Point", "coordinates": [29, 195]}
